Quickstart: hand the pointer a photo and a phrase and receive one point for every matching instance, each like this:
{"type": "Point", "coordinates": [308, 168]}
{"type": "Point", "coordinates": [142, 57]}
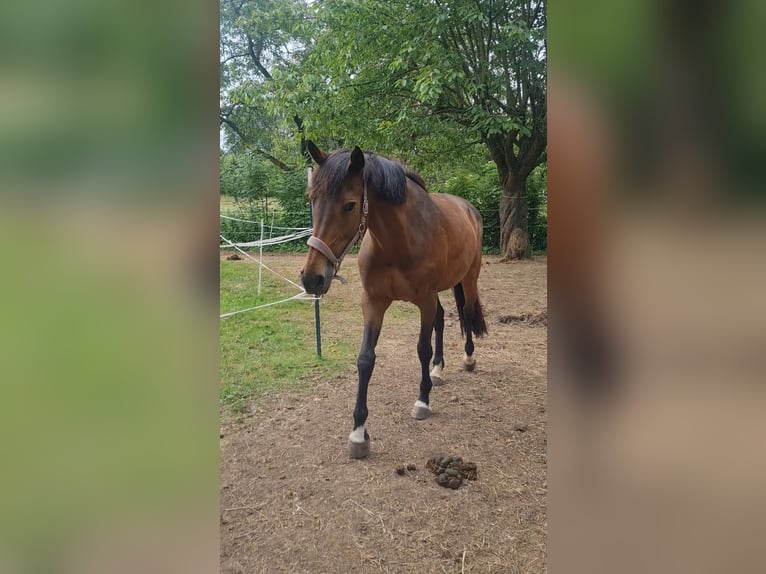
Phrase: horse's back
{"type": "Point", "coordinates": [460, 216]}
{"type": "Point", "coordinates": [461, 238]}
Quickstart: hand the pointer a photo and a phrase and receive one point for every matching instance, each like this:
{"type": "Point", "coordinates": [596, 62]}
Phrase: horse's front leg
{"type": "Point", "coordinates": [437, 373]}
{"type": "Point", "coordinates": [428, 308]}
{"type": "Point", "coordinates": [373, 309]}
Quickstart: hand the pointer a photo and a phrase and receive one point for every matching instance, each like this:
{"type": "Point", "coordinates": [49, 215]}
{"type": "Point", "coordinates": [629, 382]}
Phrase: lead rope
{"type": "Point", "coordinates": [325, 250]}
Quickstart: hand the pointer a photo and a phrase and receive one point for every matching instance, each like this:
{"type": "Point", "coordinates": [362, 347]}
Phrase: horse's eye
{"type": "Point", "coordinates": [349, 206]}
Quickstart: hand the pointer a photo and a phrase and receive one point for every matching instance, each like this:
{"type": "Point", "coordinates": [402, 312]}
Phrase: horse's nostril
{"type": "Point", "coordinates": [319, 282]}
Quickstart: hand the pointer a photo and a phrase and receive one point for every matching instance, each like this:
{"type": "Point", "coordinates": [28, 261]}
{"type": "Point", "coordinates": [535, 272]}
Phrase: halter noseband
{"type": "Point", "coordinates": [325, 250]}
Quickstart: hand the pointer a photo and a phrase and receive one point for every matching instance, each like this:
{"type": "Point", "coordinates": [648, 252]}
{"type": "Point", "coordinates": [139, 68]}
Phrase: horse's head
{"type": "Point", "coordinates": [339, 205]}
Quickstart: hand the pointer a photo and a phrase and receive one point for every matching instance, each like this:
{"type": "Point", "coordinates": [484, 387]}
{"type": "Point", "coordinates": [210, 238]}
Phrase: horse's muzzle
{"type": "Point", "coordinates": [317, 283]}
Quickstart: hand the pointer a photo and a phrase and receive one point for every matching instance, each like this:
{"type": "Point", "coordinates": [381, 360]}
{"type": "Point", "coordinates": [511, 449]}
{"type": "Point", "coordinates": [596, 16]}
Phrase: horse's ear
{"type": "Point", "coordinates": [356, 162]}
{"type": "Point", "coordinates": [316, 154]}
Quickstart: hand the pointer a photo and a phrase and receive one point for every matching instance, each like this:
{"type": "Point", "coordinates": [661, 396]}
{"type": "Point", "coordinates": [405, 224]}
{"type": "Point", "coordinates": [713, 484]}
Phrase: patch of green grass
{"type": "Point", "coordinates": [401, 311]}
{"type": "Point", "coordinates": [270, 349]}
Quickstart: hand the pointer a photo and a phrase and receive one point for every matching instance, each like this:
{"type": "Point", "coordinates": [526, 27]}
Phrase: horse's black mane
{"type": "Point", "coordinates": [415, 177]}
{"type": "Point", "coordinates": [388, 178]}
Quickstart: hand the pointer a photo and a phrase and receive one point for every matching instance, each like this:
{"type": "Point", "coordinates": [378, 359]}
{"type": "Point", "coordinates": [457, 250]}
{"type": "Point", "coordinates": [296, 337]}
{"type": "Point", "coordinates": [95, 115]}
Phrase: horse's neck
{"type": "Point", "coordinates": [394, 228]}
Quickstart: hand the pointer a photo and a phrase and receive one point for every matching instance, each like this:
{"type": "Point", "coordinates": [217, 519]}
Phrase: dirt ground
{"type": "Point", "coordinates": [293, 501]}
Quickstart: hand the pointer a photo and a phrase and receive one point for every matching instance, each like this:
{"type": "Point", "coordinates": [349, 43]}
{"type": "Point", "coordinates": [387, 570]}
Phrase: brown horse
{"type": "Point", "coordinates": [416, 245]}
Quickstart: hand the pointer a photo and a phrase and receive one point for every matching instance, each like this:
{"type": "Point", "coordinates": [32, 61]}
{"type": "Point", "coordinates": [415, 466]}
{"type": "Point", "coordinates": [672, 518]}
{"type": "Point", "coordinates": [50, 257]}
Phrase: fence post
{"type": "Point", "coordinates": [316, 301]}
{"type": "Point", "coordinates": [260, 260]}
{"type": "Point", "coordinates": [318, 328]}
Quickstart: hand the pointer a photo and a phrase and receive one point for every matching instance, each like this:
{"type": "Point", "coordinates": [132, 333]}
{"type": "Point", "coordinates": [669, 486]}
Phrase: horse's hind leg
{"type": "Point", "coordinates": [469, 362]}
{"type": "Point", "coordinates": [469, 309]}
{"type": "Point", "coordinates": [374, 310]}
{"type": "Point", "coordinates": [428, 309]}
{"type": "Point", "coordinates": [437, 373]}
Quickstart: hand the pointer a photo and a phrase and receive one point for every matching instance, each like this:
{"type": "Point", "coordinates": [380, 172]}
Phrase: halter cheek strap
{"type": "Point", "coordinates": [325, 250]}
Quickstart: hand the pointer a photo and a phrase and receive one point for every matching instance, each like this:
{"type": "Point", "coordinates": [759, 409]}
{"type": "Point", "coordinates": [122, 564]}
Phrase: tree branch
{"type": "Point", "coordinates": [255, 58]}
{"type": "Point", "coordinates": [249, 143]}
{"type": "Point", "coordinates": [232, 57]}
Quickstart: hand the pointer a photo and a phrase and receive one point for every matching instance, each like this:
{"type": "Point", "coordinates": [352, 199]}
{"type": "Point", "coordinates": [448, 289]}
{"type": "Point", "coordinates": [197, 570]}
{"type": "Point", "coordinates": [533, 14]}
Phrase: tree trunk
{"type": "Point", "coordinates": [514, 236]}
{"type": "Point", "coordinates": [513, 169]}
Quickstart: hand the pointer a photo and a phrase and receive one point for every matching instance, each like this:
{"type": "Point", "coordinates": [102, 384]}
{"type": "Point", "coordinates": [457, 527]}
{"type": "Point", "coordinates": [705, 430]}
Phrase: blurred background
{"type": "Point", "coordinates": [108, 296]}
{"type": "Point", "coordinates": [656, 274]}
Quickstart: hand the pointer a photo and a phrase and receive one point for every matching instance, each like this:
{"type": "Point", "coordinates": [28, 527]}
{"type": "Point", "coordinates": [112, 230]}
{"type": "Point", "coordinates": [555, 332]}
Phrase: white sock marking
{"type": "Point", "coordinates": [437, 372]}
{"type": "Point", "coordinates": [421, 404]}
{"type": "Point", "coordinates": [357, 435]}
{"type": "Point", "coordinates": [468, 360]}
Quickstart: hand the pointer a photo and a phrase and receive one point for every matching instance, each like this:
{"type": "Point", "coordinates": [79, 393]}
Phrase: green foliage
{"type": "Point", "coordinates": [289, 189]}
{"type": "Point", "coordinates": [277, 197]}
{"type": "Point", "coordinates": [483, 190]}
{"type": "Point", "coordinates": [537, 203]}
{"type": "Point", "coordinates": [244, 177]}
{"type": "Point", "coordinates": [476, 64]}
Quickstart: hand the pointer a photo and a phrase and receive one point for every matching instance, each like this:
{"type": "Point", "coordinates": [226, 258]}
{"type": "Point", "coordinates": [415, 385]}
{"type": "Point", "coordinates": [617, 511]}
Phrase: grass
{"type": "Point", "coordinates": [271, 349]}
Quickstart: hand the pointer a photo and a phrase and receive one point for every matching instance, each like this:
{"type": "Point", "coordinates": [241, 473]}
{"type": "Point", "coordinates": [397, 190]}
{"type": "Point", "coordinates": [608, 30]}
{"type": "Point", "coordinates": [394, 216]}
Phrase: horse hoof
{"type": "Point", "coordinates": [420, 411]}
{"type": "Point", "coordinates": [437, 376]}
{"type": "Point", "coordinates": [358, 449]}
{"type": "Point", "coordinates": [469, 363]}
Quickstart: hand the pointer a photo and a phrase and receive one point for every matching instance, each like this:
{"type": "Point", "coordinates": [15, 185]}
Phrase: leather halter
{"type": "Point", "coordinates": [325, 250]}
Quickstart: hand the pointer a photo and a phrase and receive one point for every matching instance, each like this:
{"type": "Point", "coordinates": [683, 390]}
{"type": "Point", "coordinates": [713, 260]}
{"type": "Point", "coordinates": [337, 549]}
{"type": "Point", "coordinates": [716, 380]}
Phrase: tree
{"type": "Point", "coordinates": [244, 177]}
{"type": "Point", "coordinates": [255, 36]}
{"type": "Point", "coordinates": [395, 69]}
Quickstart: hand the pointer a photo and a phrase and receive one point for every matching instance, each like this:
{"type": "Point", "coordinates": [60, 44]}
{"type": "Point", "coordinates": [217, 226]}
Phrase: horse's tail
{"type": "Point", "coordinates": [473, 319]}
